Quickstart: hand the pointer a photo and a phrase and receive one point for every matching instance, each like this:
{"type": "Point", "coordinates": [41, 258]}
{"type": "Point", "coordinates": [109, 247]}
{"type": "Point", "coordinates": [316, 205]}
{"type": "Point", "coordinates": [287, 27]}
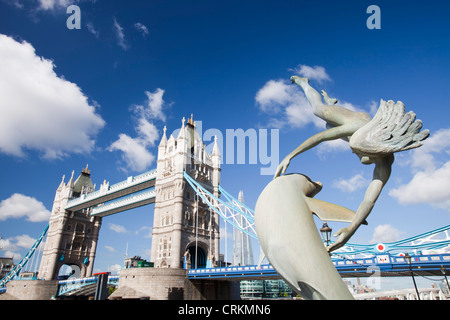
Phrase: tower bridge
{"type": "Point", "coordinates": [188, 203]}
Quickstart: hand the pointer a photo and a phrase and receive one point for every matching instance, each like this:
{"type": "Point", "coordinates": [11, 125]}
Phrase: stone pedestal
{"type": "Point", "coordinates": [30, 290]}
{"type": "Point", "coordinates": [150, 283]}
{"type": "Point", "coordinates": [170, 284]}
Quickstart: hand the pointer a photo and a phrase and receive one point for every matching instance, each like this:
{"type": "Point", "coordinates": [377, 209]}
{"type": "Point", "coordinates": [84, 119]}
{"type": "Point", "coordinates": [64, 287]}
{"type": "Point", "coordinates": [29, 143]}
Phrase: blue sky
{"type": "Point", "coordinates": [102, 94]}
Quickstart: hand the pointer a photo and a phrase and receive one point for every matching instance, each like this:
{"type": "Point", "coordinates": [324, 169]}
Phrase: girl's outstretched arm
{"type": "Point", "coordinates": [330, 134]}
{"type": "Point", "coordinates": [381, 175]}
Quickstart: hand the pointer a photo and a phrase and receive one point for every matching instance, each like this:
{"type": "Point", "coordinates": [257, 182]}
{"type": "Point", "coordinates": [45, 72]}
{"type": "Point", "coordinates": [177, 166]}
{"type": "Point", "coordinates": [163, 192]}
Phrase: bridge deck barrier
{"type": "Point", "coordinates": [386, 264]}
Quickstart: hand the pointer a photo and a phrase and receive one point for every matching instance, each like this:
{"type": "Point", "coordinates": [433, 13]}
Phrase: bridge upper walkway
{"type": "Point", "coordinates": [129, 186]}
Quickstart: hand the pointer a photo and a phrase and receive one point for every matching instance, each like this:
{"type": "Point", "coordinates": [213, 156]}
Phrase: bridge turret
{"type": "Point", "coordinates": [83, 184]}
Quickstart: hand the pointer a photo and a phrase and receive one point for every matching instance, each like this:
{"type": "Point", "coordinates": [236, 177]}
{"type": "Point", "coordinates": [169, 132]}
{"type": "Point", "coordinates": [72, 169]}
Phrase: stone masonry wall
{"type": "Point", "coordinates": [31, 290]}
{"type": "Point", "coordinates": [152, 283]}
{"type": "Point", "coordinates": [170, 284]}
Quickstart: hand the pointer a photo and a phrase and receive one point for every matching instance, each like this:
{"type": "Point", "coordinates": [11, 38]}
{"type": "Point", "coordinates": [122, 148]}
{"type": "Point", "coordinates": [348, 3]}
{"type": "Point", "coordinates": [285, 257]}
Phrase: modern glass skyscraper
{"type": "Point", "coordinates": [242, 250]}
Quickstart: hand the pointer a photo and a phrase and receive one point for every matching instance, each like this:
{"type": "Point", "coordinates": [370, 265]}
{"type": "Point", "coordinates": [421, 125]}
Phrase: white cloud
{"type": "Point", "coordinates": [431, 187]}
{"type": "Point", "coordinates": [141, 28]}
{"type": "Point", "coordinates": [438, 143]}
{"type": "Point", "coordinates": [110, 249]}
{"type": "Point", "coordinates": [154, 106]}
{"type": "Point", "coordinates": [332, 146]}
{"type": "Point", "coordinates": [25, 241]}
{"type": "Point", "coordinates": [135, 150]}
{"type": "Point", "coordinates": [117, 228]}
{"type": "Point", "coordinates": [286, 105]}
{"type": "Point", "coordinates": [17, 3]}
{"type": "Point", "coordinates": [317, 73]}
{"type": "Point", "coordinates": [146, 230]}
{"type": "Point", "coordinates": [4, 244]}
{"type": "Point", "coordinates": [91, 29]}
{"type": "Point", "coordinates": [41, 111]}
{"type": "Point", "coordinates": [118, 30]}
{"type": "Point", "coordinates": [373, 107]}
{"type": "Point", "coordinates": [11, 247]}
{"type": "Point", "coordinates": [114, 269]}
{"type": "Point", "coordinates": [135, 153]}
{"type": "Point", "coordinates": [273, 95]}
{"type": "Point", "coordinates": [352, 184]}
{"type": "Point", "coordinates": [20, 206]}
{"type": "Point", "coordinates": [148, 132]}
{"type": "Point", "coordinates": [386, 233]}
{"type": "Point", "coordinates": [430, 183]}
{"type": "Point", "coordinates": [8, 245]}
{"type": "Point", "coordinates": [54, 4]}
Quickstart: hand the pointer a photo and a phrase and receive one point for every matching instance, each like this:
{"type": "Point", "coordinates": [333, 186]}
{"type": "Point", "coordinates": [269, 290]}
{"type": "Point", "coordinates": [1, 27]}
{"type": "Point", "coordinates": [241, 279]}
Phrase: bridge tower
{"type": "Point", "coordinates": [185, 231]}
{"type": "Point", "coordinates": [72, 236]}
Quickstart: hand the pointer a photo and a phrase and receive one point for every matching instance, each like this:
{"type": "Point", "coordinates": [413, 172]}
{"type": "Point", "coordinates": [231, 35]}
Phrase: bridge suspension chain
{"type": "Point", "coordinates": [16, 270]}
{"type": "Point", "coordinates": [243, 218]}
{"type": "Point", "coordinates": [438, 239]}
{"type": "Point", "coordinates": [233, 211]}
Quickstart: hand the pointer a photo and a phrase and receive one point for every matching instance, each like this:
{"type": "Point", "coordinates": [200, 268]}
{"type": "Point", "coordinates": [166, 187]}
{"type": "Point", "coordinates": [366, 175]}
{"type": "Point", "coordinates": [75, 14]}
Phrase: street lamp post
{"type": "Point", "coordinates": [408, 261]}
{"type": "Point", "coordinates": [326, 233]}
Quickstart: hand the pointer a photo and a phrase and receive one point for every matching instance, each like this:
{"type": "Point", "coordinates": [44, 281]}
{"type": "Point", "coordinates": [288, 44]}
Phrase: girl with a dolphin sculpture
{"type": "Point", "coordinates": [283, 213]}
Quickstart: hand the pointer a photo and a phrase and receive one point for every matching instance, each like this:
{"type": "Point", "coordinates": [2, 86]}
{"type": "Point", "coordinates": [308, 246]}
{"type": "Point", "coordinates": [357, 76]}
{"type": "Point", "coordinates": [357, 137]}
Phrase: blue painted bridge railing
{"type": "Point", "coordinates": [65, 286]}
{"type": "Point", "coordinates": [384, 263]}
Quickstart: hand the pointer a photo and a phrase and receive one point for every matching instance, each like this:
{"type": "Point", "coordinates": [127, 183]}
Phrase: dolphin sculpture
{"type": "Point", "coordinates": [290, 240]}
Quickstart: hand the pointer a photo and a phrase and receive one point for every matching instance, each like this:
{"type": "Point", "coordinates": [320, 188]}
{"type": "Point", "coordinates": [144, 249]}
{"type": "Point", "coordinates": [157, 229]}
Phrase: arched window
{"type": "Point", "coordinates": [79, 227]}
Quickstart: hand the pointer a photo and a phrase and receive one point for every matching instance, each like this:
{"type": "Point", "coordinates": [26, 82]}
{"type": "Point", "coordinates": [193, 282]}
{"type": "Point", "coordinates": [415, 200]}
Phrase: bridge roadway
{"type": "Point", "coordinates": [119, 190]}
{"type": "Point", "coordinates": [384, 265]}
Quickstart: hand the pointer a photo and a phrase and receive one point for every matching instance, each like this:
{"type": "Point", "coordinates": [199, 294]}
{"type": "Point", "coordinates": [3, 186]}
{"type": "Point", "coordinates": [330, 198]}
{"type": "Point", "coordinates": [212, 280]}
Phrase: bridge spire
{"type": "Point", "coordinates": [70, 182]}
{"type": "Point", "coordinates": [62, 184]}
{"type": "Point", "coordinates": [191, 120]}
{"type": "Point", "coordinates": [86, 170]}
{"type": "Point", "coordinates": [182, 133]}
{"type": "Point", "coordinates": [164, 137]}
{"type": "Point", "coordinates": [216, 151]}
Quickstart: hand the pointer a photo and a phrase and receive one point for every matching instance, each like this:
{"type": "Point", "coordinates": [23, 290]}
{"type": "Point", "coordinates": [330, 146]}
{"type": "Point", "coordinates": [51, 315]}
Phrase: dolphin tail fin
{"type": "Point", "coordinates": [327, 211]}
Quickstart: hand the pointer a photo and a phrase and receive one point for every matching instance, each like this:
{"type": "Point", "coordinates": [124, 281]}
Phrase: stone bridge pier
{"type": "Point", "coordinates": [171, 284]}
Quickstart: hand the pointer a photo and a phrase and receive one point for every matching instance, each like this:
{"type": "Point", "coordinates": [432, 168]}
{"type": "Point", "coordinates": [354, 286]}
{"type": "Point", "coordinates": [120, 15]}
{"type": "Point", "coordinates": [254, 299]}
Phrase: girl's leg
{"type": "Point", "coordinates": [314, 98]}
